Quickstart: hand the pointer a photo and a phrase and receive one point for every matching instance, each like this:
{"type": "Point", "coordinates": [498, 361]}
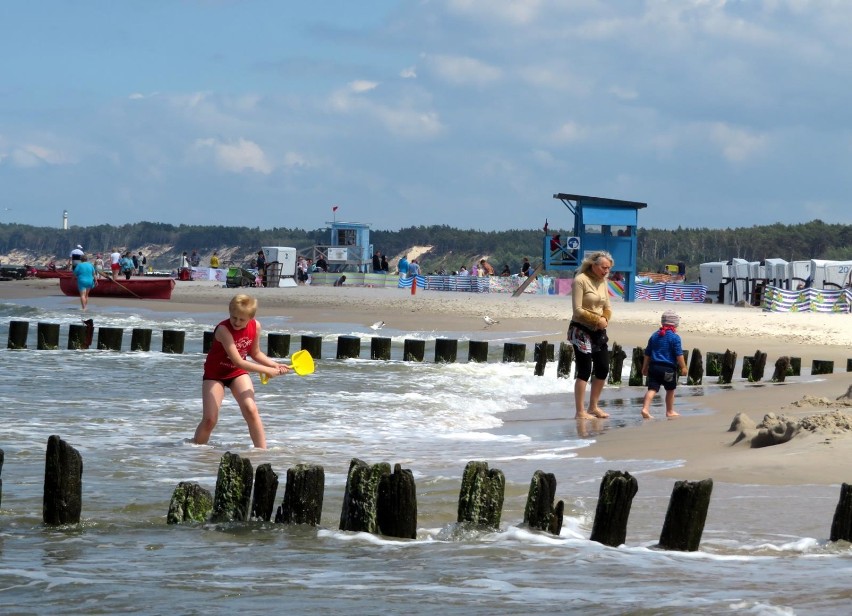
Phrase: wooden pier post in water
{"type": "Point", "coordinates": [566, 358]}
{"type": "Point", "coordinates": [481, 496]}
{"type": "Point", "coordinates": [446, 350]}
{"type": "Point", "coordinates": [63, 483]}
{"type": "Point", "coordinates": [278, 345]}
{"type": "Point", "coordinates": [795, 366]}
{"type": "Point", "coordinates": [173, 341]}
{"type": "Point", "coordinates": [695, 374]}
{"type": "Point", "coordinates": [822, 366]}
{"type": "Point", "coordinates": [2, 455]}
{"type": "Point", "coordinates": [477, 351]}
{"type": "Point", "coordinates": [18, 331]}
{"type": "Point", "coordinates": [233, 489]}
{"type": "Point", "coordinates": [47, 336]}
{"type": "Point", "coordinates": [109, 338]}
{"type": "Point", "coordinates": [380, 348]}
{"type": "Point", "coordinates": [361, 495]}
{"type": "Point", "coordinates": [714, 363]}
{"type": "Point", "coordinates": [841, 524]}
{"type": "Point", "coordinates": [313, 345]}
{"type": "Point", "coordinates": [303, 496]}
{"type": "Point", "coordinates": [207, 341]}
{"type": "Point", "coordinates": [265, 487]}
{"type": "Point", "coordinates": [686, 515]}
{"type": "Point", "coordinates": [754, 367]}
{"type": "Point", "coordinates": [348, 347]}
{"type": "Point", "coordinates": [514, 352]}
{"type": "Point", "coordinates": [729, 363]}
{"type": "Point", "coordinates": [616, 364]}
{"type": "Point", "coordinates": [190, 503]}
{"type": "Point", "coordinates": [782, 369]}
{"type": "Point", "coordinates": [540, 512]}
{"type": "Point", "coordinates": [140, 339]}
{"type": "Point", "coordinates": [80, 335]}
{"type": "Point", "coordinates": [396, 506]}
{"type": "Point", "coordinates": [614, 501]}
{"type": "Point", "coordinates": [540, 356]}
{"type": "Point", "coordinates": [413, 350]}
{"type": "Point", "coordinates": [636, 379]}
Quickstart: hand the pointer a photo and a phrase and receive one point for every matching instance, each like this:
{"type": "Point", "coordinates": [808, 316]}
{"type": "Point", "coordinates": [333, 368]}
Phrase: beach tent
{"type": "Point", "coordinates": [830, 274]}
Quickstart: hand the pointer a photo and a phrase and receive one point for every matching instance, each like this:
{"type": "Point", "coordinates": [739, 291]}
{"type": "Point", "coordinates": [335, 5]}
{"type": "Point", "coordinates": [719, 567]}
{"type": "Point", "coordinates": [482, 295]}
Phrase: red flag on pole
{"type": "Point", "coordinates": [334, 209]}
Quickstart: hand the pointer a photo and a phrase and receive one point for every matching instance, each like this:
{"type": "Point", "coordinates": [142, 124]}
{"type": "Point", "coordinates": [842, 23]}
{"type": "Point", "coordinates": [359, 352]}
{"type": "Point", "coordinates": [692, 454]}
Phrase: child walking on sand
{"type": "Point", "coordinates": [663, 361]}
{"type": "Point", "coordinates": [234, 339]}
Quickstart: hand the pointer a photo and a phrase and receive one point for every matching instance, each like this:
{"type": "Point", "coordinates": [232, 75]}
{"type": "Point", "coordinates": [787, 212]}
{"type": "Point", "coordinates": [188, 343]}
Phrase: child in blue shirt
{"type": "Point", "coordinates": [663, 361]}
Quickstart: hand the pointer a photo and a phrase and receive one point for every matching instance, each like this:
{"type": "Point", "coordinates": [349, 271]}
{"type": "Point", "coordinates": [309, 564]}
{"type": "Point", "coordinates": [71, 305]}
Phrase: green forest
{"type": "Point", "coordinates": [451, 247]}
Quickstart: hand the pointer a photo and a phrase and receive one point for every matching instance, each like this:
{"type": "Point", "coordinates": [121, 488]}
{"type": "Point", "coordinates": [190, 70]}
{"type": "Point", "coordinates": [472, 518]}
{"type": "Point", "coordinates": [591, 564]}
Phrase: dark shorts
{"type": "Point", "coordinates": [664, 375]}
{"type": "Point", "coordinates": [225, 382]}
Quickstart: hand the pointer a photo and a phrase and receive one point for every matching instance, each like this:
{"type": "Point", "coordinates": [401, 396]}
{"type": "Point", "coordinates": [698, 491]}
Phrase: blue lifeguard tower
{"type": "Point", "coordinates": [349, 247]}
{"type": "Point", "coordinates": [599, 224]}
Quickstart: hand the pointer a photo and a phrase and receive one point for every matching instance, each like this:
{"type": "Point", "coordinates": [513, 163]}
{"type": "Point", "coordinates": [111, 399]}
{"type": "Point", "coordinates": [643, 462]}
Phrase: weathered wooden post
{"type": "Point", "coordinates": [207, 342]}
{"type": "Point", "coordinates": [753, 367]}
{"type": "Point", "coordinates": [614, 501]}
{"type": "Point", "coordinates": [849, 365]}
{"type": "Point", "coordinates": [1, 478]}
{"type": "Point", "coordinates": [549, 351]}
{"type": "Point", "coordinates": [313, 345]}
{"type": "Point", "coordinates": [361, 494]}
{"type": "Point", "coordinates": [109, 338]}
{"type": "Point", "coordinates": [380, 348]}
{"type": "Point", "coordinates": [514, 352]}
{"type": "Point", "coordinates": [636, 379]}
{"type": "Point", "coordinates": [18, 331]}
{"type": "Point", "coordinates": [481, 496]}
{"type": "Point", "coordinates": [446, 350]}
{"type": "Point", "coordinates": [795, 366]}
{"type": "Point", "coordinates": [140, 339]}
{"type": "Point", "coordinates": [265, 487]}
{"type": "Point", "coordinates": [616, 364]}
{"type": "Point", "coordinates": [173, 341]}
{"type": "Point", "coordinates": [539, 512]}
{"type": "Point", "coordinates": [686, 515]}
{"type": "Point", "coordinates": [782, 367]}
{"type": "Point", "coordinates": [77, 337]}
{"type": "Point", "coordinates": [841, 525]}
{"type": "Point", "coordinates": [63, 483]}
{"type": "Point", "coordinates": [303, 495]}
{"type": "Point", "coordinates": [566, 358]}
{"type": "Point", "coordinates": [47, 336]}
{"type": "Point", "coordinates": [233, 489]}
{"type": "Point", "coordinates": [729, 363]}
{"type": "Point", "coordinates": [413, 350]}
{"type": "Point", "coordinates": [348, 347]}
{"type": "Point", "coordinates": [714, 363]}
{"type": "Point", "coordinates": [396, 506]}
{"type": "Point", "coordinates": [540, 357]}
{"type": "Point", "coordinates": [477, 351]}
{"type": "Point", "coordinates": [190, 503]}
{"type": "Point", "coordinates": [822, 366]}
{"type": "Point", "coordinates": [278, 345]}
{"type": "Point", "coordinates": [695, 374]}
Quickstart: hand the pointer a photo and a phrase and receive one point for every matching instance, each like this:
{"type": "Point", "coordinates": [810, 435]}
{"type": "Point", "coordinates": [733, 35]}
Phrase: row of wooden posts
{"type": "Point", "coordinates": [721, 365]}
{"type": "Point", "coordinates": [382, 501]}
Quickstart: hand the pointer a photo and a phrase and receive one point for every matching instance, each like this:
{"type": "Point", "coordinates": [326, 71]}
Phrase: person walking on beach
{"type": "Point", "coordinates": [85, 274]}
{"type": "Point", "coordinates": [587, 330]}
{"type": "Point", "coordinates": [663, 362]}
{"type": "Point", "coordinates": [141, 262]}
{"type": "Point", "coordinates": [234, 339]}
{"type": "Point", "coordinates": [115, 263]}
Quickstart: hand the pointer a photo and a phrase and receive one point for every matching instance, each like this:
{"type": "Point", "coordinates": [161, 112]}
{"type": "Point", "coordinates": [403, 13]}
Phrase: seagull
{"type": "Point", "coordinates": [489, 321]}
{"type": "Point", "coordinates": [377, 325]}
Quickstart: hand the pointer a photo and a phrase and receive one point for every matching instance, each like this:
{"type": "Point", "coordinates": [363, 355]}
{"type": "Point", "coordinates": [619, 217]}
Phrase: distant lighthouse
{"type": "Point", "coordinates": [65, 219]}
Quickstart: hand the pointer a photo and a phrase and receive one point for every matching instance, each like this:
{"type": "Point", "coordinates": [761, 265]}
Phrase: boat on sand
{"type": "Point", "coordinates": [136, 288]}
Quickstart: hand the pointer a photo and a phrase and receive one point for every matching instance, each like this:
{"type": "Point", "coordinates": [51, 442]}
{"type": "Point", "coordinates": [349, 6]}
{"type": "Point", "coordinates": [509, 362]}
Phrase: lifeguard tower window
{"type": "Point", "coordinates": [596, 229]}
{"type": "Point", "coordinates": [346, 237]}
{"type": "Point", "coordinates": [621, 231]}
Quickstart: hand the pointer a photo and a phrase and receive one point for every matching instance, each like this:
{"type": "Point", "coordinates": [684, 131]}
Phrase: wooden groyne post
{"type": "Point", "coordinates": [109, 338]}
{"type": "Point", "coordinates": [477, 351]}
{"type": "Point", "coordinates": [446, 350]}
{"type": "Point", "coordinates": [63, 483]}
{"type": "Point", "coordinates": [695, 373]}
{"type": "Point", "coordinates": [614, 501]}
{"type": "Point", "coordinates": [754, 367]}
{"type": "Point", "coordinates": [361, 496]}
{"type": "Point", "coordinates": [822, 366]}
{"type": "Point", "coordinates": [303, 496]}
{"type": "Point", "coordinates": [348, 347]}
{"type": "Point", "coordinates": [566, 358]}
{"type": "Point", "coordinates": [616, 364]}
{"type": "Point", "coordinates": [278, 345]}
{"type": "Point", "coordinates": [313, 345]}
{"type": "Point", "coordinates": [2, 455]}
{"type": "Point", "coordinates": [18, 331]}
{"type": "Point", "coordinates": [541, 355]}
{"type": "Point", "coordinates": [380, 348]}
{"type": "Point", "coordinates": [481, 496]}
{"type": "Point", "coordinates": [265, 487]}
{"type": "Point", "coordinates": [686, 515]}
{"type": "Point", "coordinates": [514, 352]}
{"type": "Point", "coordinates": [540, 512]}
{"type": "Point", "coordinates": [78, 336]}
{"type": "Point", "coordinates": [413, 350]}
{"type": "Point", "coordinates": [207, 341]}
{"type": "Point", "coordinates": [635, 379]}
{"type": "Point", "coordinates": [729, 363]}
{"type": "Point", "coordinates": [190, 503]}
{"type": "Point", "coordinates": [173, 341]}
{"type": "Point", "coordinates": [233, 489]}
{"type": "Point", "coordinates": [841, 525]}
{"type": "Point", "coordinates": [47, 336]}
{"type": "Point", "coordinates": [140, 339]}
{"type": "Point", "coordinates": [396, 505]}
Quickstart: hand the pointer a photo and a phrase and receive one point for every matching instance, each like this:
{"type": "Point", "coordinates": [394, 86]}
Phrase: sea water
{"type": "Point", "coordinates": [131, 415]}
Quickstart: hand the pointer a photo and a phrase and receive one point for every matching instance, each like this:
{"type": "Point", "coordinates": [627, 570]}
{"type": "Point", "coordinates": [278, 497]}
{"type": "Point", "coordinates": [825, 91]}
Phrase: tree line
{"type": "Point", "coordinates": [451, 247]}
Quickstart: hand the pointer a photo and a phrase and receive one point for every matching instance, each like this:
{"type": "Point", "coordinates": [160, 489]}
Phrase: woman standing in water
{"type": "Point", "coordinates": [587, 331]}
{"type": "Point", "coordinates": [85, 274]}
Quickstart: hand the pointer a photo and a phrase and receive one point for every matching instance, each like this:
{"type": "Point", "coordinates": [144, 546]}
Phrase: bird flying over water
{"type": "Point", "coordinates": [489, 321]}
{"type": "Point", "coordinates": [377, 325]}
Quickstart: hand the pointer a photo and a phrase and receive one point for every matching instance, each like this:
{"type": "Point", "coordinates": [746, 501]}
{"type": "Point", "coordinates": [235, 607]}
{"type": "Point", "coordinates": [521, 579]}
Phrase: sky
{"type": "Point", "coordinates": [466, 113]}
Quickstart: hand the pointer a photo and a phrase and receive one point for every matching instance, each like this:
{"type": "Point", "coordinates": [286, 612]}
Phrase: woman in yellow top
{"type": "Point", "coordinates": [587, 331]}
{"type": "Point", "coordinates": [214, 261]}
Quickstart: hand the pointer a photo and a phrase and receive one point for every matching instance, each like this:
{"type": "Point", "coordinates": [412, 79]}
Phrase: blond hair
{"type": "Point", "coordinates": [243, 304]}
{"type": "Point", "coordinates": [593, 259]}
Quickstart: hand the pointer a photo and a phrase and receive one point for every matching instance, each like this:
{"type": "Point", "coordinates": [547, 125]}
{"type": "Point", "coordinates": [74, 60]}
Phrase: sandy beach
{"type": "Point", "coordinates": [702, 442]}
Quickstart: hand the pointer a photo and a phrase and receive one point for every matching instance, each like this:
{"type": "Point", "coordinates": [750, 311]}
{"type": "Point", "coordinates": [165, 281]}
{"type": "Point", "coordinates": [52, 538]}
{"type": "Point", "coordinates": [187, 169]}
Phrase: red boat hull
{"type": "Point", "coordinates": [135, 288]}
{"type": "Point", "coordinates": [52, 273]}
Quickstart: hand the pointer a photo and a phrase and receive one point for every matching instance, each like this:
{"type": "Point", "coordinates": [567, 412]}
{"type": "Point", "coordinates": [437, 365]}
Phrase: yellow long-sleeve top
{"type": "Point", "coordinates": [590, 300]}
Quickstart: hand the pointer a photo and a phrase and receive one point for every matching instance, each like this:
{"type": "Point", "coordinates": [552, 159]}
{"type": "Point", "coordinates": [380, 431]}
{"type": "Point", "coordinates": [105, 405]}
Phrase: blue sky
{"type": "Point", "coordinates": [468, 113]}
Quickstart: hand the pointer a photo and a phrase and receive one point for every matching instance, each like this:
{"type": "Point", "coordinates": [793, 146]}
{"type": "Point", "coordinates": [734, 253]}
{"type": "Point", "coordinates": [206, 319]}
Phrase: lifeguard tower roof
{"type": "Point", "coordinates": [636, 205]}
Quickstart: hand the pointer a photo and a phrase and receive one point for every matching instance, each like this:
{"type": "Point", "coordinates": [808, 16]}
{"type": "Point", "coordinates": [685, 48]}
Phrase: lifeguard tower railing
{"type": "Point", "coordinates": [599, 224]}
{"type": "Point", "coordinates": [349, 248]}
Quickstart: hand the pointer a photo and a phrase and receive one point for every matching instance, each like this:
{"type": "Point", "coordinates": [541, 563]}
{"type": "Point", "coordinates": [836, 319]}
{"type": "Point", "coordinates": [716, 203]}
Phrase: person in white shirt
{"type": "Point", "coordinates": [114, 265]}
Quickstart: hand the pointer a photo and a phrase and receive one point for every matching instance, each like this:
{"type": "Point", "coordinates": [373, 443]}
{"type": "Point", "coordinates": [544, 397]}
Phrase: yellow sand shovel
{"type": "Point", "coordinates": [301, 362]}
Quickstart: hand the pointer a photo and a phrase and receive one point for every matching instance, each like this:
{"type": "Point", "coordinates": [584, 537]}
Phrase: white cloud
{"type": "Point", "coordinates": [569, 132]}
{"type": "Point", "coordinates": [362, 86]}
{"type": "Point", "coordinates": [237, 156]}
{"type": "Point", "coordinates": [737, 144]}
{"type": "Point", "coordinates": [31, 155]}
{"type": "Point", "coordinates": [408, 73]}
{"type": "Point", "coordinates": [462, 70]}
{"type": "Point", "coordinates": [516, 12]}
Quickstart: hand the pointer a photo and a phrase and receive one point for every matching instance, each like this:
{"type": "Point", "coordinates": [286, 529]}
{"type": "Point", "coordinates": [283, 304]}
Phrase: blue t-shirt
{"type": "Point", "coordinates": [664, 349]}
{"type": "Point", "coordinates": [403, 266]}
{"type": "Point", "coordinates": [85, 274]}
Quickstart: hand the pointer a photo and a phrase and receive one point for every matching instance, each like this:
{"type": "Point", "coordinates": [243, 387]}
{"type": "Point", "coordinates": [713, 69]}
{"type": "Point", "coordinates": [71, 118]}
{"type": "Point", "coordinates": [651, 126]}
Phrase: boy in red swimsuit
{"type": "Point", "coordinates": [226, 366]}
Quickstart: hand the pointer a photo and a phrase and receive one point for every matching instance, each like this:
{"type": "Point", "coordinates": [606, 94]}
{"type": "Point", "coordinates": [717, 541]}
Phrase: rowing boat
{"type": "Point", "coordinates": [139, 288]}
